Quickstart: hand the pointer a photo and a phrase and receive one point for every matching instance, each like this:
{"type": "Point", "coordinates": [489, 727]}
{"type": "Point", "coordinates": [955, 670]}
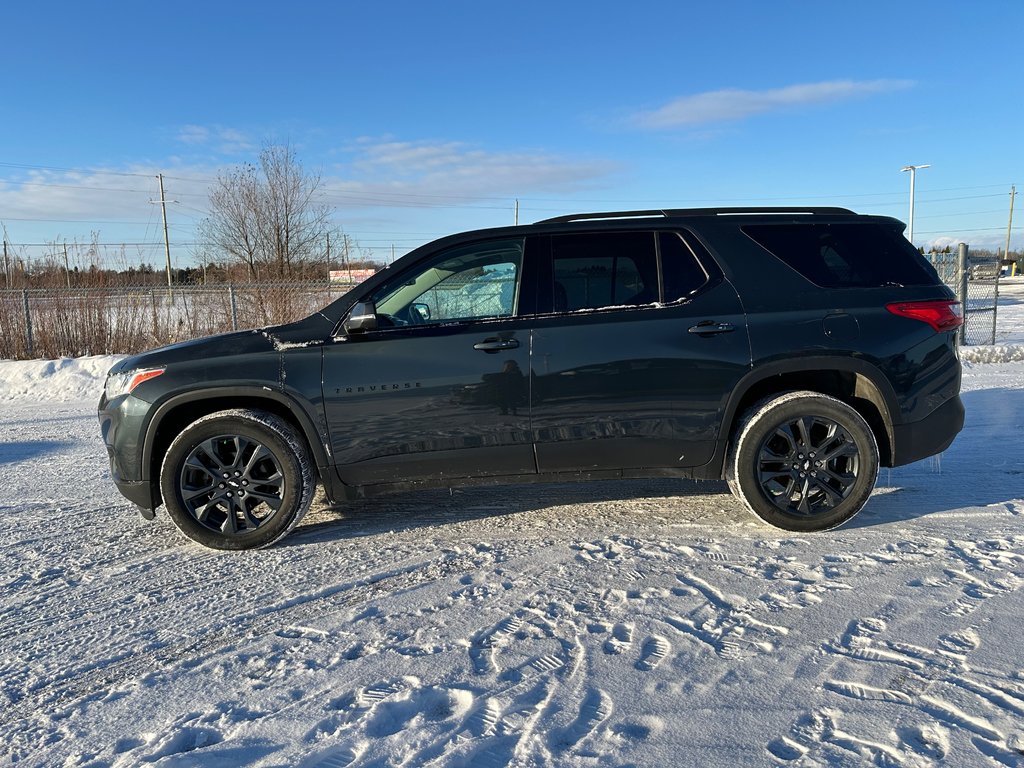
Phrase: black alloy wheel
{"type": "Point", "coordinates": [238, 479]}
{"type": "Point", "coordinates": [231, 483]}
{"type": "Point", "coordinates": [808, 465]}
{"type": "Point", "coordinates": [803, 461]}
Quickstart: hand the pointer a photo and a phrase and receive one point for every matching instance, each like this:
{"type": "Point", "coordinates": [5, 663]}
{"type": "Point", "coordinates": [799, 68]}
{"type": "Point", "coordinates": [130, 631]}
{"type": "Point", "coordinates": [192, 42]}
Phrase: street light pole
{"type": "Point", "coordinates": [913, 176]}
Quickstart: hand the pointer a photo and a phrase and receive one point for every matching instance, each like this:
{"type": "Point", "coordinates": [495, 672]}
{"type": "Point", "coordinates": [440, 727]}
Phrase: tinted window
{"type": "Point", "coordinates": [854, 255]}
{"type": "Point", "coordinates": [609, 269]}
{"type": "Point", "coordinates": [681, 273]}
{"type": "Point", "coordinates": [465, 283]}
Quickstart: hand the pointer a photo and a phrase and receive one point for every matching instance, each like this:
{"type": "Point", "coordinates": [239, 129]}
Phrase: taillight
{"type": "Point", "coordinates": [942, 314]}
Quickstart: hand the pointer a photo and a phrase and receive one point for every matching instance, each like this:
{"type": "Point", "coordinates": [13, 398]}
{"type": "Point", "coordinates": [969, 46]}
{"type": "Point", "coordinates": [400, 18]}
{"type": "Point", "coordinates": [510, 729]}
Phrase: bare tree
{"type": "Point", "coordinates": [269, 217]}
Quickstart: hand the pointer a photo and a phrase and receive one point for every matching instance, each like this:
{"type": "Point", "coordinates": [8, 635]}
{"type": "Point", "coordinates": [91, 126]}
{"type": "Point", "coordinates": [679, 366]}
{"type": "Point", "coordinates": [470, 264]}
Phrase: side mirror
{"type": "Point", "coordinates": [361, 318]}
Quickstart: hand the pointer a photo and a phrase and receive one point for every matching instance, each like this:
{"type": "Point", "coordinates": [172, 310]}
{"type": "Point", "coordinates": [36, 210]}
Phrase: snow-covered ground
{"type": "Point", "coordinates": [648, 623]}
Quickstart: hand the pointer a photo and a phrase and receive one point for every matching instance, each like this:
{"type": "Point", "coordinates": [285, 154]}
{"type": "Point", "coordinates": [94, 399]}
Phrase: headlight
{"type": "Point", "coordinates": [122, 383]}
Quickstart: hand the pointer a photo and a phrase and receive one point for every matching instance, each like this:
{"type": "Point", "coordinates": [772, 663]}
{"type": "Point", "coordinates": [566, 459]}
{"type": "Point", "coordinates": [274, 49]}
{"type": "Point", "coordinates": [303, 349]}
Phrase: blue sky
{"type": "Point", "coordinates": [429, 118]}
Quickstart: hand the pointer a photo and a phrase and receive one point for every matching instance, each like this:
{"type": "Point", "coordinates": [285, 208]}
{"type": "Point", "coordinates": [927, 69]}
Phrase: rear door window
{"type": "Point", "coordinates": [682, 275]}
{"type": "Point", "coordinates": [600, 270]}
{"type": "Point", "coordinates": [605, 270]}
{"type": "Point", "coordinates": [845, 255]}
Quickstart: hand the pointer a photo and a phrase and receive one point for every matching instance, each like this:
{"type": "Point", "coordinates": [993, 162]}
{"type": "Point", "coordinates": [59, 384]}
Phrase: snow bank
{"type": "Point", "coordinates": [61, 380]}
{"type": "Point", "coordinates": [998, 353]}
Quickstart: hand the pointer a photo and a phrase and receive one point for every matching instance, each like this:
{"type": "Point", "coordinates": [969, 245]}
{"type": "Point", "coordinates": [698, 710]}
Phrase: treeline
{"type": "Point", "coordinates": [49, 273]}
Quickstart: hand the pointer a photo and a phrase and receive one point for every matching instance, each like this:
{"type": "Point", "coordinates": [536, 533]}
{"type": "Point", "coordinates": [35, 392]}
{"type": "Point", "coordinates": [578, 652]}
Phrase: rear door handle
{"type": "Point", "coordinates": [710, 327]}
{"type": "Point", "coordinates": [496, 345]}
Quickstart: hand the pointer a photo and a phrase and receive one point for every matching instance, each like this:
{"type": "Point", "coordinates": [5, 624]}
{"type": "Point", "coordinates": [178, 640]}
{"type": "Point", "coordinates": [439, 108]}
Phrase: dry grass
{"type": "Point", "coordinates": [100, 321]}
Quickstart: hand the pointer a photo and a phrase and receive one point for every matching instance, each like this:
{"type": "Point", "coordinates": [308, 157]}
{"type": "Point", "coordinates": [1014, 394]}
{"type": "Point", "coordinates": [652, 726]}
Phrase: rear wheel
{"type": "Point", "coordinates": [237, 479]}
{"type": "Point", "coordinates": [803, 461]}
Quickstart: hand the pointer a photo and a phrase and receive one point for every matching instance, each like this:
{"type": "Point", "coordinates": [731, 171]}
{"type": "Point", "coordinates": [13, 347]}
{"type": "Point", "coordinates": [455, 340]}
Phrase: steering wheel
{"type": "Point", "coordinates": [390, 321]}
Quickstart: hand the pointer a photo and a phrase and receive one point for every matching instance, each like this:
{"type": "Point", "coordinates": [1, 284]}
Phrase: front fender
{"type": "Point", "coordinates": [222, 398]}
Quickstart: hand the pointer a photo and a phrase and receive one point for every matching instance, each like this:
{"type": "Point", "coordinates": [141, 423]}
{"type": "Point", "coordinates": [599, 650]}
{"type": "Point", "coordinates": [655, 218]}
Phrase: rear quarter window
{"type": "Point", "coordinates": [845, 255]}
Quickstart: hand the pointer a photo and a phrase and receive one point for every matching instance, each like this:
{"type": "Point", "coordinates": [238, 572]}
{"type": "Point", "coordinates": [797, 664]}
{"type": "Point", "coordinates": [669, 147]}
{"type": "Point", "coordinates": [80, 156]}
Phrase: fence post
{"type": "Point", "coordinates": [234, 307]}
{"type": "Point", "coordinates": [995, 299]}
{"type": "Point", "coordinates": [29, 342]}
{"type": "Point", "coordinates": [962, 288]}
{"type": "Point", "coordinates": [29, 345]}
{"type": "Point", "coordinates": [152, 306]}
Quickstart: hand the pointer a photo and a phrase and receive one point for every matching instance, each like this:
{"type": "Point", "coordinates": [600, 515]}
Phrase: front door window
{"type": "Point", "coordinates": [469, 283]}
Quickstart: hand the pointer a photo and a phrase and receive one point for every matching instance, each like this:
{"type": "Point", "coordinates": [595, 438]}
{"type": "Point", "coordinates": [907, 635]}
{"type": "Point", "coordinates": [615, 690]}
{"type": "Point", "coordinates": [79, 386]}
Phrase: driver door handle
{"type": "Point", "coordinates": [496, 345]}
{"type": "Point", "coordinates": [709, 327]}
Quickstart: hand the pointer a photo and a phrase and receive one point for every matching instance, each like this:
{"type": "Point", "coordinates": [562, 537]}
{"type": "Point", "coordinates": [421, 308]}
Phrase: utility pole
{"type": "Point", "coordinates": [517, 211]}
{"type": "Point", "coordinates": [913, 174]}
{"type": "Point", "coordinates": [7, 263]}
{"type": "Point", "coordinates": [67, 269]}
{"type": "Point", "coordinates": [167, 243]}
{"type": "Point", "coordinates": [1009, 224]}
{"type": "Point", "coordinates": [328, 255]}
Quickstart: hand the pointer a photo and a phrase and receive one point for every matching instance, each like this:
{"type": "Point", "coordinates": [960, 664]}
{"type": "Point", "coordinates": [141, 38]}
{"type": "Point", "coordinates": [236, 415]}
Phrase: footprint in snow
{"type": "Point", "coordinates": [655, 649]}
{"type": "Point", "coordinates": [960, 643]}
{"type": "Point", "coordinates": [595, 709]}
{"type": "Point", "coordinates": [621, 639]}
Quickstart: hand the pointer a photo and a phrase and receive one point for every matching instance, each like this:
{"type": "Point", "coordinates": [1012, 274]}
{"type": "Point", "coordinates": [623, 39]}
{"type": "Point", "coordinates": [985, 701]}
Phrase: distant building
{"type": "Point", "coordinates": [350, 276]}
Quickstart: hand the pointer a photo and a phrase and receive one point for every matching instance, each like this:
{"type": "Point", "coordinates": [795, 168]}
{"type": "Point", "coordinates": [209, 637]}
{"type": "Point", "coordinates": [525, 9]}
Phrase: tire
{"type": "Point", "coordinates": [777, 469]}
{"type": "Point", "coordinates": [238, 479]}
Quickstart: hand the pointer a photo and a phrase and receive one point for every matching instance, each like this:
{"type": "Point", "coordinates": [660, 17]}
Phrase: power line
{"type": "Point", "coordinates": [979, 229]}
{"type": "Point", "coordinates": [74, 221]}
{"type": "Point", "coordinates": [90, 187]}
{"type": "Point", "coordinates": [49, 185]}
{"type": "Point", "coordinates": [410, 198]}
{"type": "Point", "coordinates": [192, 243]}
{"type": "Point", "coordinates": [958, 213]}
{"type": "Point", "coordinates": [74, 170]}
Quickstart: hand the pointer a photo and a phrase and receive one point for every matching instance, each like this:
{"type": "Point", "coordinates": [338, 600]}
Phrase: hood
{"type": "Point", "coordinates": [221, 345]}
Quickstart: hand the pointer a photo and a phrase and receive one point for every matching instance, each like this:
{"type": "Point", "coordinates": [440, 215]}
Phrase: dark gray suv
{"type": "Point", "coordinates": [789, 351]}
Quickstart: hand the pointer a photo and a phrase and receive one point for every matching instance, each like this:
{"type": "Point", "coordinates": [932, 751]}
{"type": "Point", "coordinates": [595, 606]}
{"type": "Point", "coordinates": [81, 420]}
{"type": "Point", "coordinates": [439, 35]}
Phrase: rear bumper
{"type": "Point", "coordinates": [929, 436]}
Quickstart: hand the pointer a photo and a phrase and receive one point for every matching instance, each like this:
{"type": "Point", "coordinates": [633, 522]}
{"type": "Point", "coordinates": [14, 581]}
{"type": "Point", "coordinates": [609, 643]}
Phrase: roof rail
{"type": "Point", "coordinates": [678, 212]}
{"type": "Point", "coordinates": [606, 215]}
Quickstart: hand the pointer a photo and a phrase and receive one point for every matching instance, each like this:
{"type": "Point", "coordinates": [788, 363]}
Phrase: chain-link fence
{"type": "Point", "coordinates": [62, 322]}
{"type": "Point", "coordinates": [975, 281]}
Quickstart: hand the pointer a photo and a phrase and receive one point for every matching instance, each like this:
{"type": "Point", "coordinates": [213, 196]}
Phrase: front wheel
{"type": "Point", "coordinates": [803, 461]}
{"type": "Point", "coordinates": [238, 479]}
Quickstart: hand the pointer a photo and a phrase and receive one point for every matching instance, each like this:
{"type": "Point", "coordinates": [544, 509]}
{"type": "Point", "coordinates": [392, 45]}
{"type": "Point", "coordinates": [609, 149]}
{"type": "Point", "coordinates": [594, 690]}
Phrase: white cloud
{"type": "Point", "coordinates": [193, 134]}
{"type": "Point", "coordinates": [423, 173]}
{"type": "Point", "coordinates": [221, 138]}
{"type": "Point", "coordinates": [735, 104]}
{"type": "Point", "coordinates": [43, 206]}
{"type": "Point", "coordinates": [54, 206]}
{"type": "Point", "coordinates": [992, 242]}
{"type": "Point", "coordinates": [938, 243]}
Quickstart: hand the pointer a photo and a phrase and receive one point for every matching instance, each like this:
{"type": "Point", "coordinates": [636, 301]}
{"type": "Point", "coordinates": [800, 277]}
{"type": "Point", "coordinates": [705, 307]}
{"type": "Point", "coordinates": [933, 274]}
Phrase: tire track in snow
{"type": "Point", "coordinates": [96, 677]}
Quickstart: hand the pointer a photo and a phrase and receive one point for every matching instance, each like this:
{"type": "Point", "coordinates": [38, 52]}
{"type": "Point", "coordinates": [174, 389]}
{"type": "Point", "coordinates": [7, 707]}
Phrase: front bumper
{"type": "Point", "coordinates": [122, 424]}
{"type": "Point", "coordinates": [929, 436]}
{"type": "Point", "coordinates": [139, 493]}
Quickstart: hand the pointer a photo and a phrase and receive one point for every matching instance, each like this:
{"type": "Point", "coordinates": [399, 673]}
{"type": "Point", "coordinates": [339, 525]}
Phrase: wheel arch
{"type": "Point", "coordinates": [856, 382]}
{"type": "Point", "coordinates": [176, 413]}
